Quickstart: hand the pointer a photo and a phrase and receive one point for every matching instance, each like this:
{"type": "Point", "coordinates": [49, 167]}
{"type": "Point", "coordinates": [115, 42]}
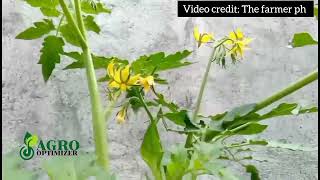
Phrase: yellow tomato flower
{"type": "Point", "coordinates": [121, 115]}
{"type": "Point", "coordinates": [202, 38]}
{"type": "Point", "coordinates": [147, 82]}
{"type": "Point", "coordinates": [120, 78]}
{"type": "Point", "coordinates": [238, 42]}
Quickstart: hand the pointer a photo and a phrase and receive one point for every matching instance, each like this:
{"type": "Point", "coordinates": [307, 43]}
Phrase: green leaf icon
{"type": "Point", "coordinates": [26, 137]}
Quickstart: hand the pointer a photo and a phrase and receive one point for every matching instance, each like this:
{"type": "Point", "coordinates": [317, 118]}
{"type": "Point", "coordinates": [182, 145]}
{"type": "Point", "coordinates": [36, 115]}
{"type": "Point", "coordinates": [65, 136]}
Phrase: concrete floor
{"type": "Point", "coordinates": [61, 107]}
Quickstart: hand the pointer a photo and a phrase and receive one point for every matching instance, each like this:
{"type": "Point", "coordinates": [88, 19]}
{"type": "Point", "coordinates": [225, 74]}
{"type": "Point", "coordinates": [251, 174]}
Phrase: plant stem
{"type": "Point", "coordinates": [145, 105]}
{"type": "Point", "coordinates": [98, 120]}
{"type": "Point", "coordinates": [199, 99]}
{"type": "Point", "coordinates": [288, 90]}
{"type": "Point", "coordinates": [203, 85]}
{"type": "Point", "coordinates": [79, 18]}
{"type": "Point", "coordinates": [72, 23]}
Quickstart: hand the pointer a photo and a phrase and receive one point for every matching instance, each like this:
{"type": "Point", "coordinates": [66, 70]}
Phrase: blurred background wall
{"type": "Point", "coordinates": [61, 108]}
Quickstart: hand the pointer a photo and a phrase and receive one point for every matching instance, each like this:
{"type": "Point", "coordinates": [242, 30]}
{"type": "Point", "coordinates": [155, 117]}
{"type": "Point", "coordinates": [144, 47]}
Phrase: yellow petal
{"type": "Point", "coordinates": [123, 87]}
{"type": "Point", "coordinates": [117, 76]}
{"type": "Point", "coordinates": [125, 72]}
{"type": "Point", "coordinates": [206, 38]}
{"type": "Point", "coordinates": [114, 84]}
{"type": "Point", "coordinates": [196, 33]}
{"type": "Point", "coordinates": [133, 80]}
{"type": "Point", "coordinates": [110, 69]}
{"type": "Point", "coordinates": [232, 36]}
{"type": "Point", "coordinates": [239, 33]}
{"type": "Point", "coordinates": [120, 117]}
{"type": "Point", "coordinates": [150, 80]}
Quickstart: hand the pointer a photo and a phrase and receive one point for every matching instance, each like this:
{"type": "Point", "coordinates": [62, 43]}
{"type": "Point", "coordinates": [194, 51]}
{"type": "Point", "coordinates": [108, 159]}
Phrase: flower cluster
{"type": "Point", "coordinates": [121, 78]}
{"type": "Point", "coordinates": [236, 43]}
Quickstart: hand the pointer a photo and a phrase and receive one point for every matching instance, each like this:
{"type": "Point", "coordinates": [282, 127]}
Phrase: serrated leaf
{"type": "Point", "coordinates": [252, 128]}
{"type": "Point", "coordinates": [90, 24]}
{"type": "Point", "coordinates": [151, 150]}
{"type": "Point", "coordinates": [302, 39]}
{"type": "Point", "coordinates": [50, 12]}
{"type": "Point", "coordinates": [43, 3]}
{"type": "Point", "coordinates": [238, 112]}
{"type": "Point", "coordinates": [170, 105]}
{"type": "Point", "coordinates": [99, 7]}
{"type": "Point", "coordinates": [13, 167]}
{"type": "Point", "coordinates": [178, 117]}
{"type": "Point", "coordinates": [52, 47]}
{"type": "Point", "coordinates": [285, 109]}
{"type": "Point", "coordinates": [253, 171]}
{"type": "Point", "coordinates": [99, 62]}
{"type": "Point", "coordinates": [69, 34]}
{"type": "Point", "coordinates": [40, 28]}
{"type": "Point", "coordinates": [159, 62]}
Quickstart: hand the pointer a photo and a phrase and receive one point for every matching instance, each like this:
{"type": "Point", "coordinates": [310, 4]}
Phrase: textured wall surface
{"type": "Point", "coordinates": [61, 108]}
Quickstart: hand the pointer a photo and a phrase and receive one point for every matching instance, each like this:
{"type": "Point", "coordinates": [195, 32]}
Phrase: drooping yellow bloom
{"type": "Point", "coordinates": [202, 38]}
{"type": "Point", "coordinates": [121, 115]}
{"type": "Point", "coordinates": [239, 43]}
{"type": "Point", "coordinates": [120, 78]}
{"type": "Point", "coordinates": [147, 82]}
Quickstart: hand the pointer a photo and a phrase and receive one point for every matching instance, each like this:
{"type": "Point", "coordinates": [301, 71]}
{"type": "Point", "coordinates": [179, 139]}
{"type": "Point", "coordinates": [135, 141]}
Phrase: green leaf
{"type": "Point", "coordinates": [177, 163]}
{"type": "Point", "coordinates": [99, 62]}
{"type": "Point", "coordinates": [253, 171]}
{"type": "Point", "coordinates": [151, 150]}
{"type": "Point", "coordinates": [52, 47]}
{"type": "Point", "coordinates": [159, 62]}
{"type": "Point", "coordinates": [302, 39]}
{"type": "Point", "coordinates": [39, 29]}
{"type": "Point", "coordinates": [238, 112]}
{"type": "Point", "coordinates": [285, 109]}
{"type": "Point", "coordinates": [47, 7]}
{"type": "Point", "coordinates": [13, 167]}
{"type": "Point", "coordinates": [91, 25]}
{"type": "Point", "coordinates": [60, 168]}
{"type": "Point", "coordinates": [70, 35]}
{"type": "Point", "coordinates": [252, 128]}
{"type": "Point", "coordinates": [178, 117]}
{"type": "Point", "coordinates": [99, 7]}
{"type": "Point", "coordinates": [170, 105]}
{"type": "Point", "coordinates": [43, 3]}
{"type": "Point", "coordinates": [50, 12]}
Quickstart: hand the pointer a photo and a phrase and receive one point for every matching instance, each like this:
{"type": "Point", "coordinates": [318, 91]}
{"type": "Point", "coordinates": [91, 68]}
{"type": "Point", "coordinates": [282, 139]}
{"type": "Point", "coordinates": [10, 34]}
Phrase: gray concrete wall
{"type": "Point", "coordinates": [61, 107]}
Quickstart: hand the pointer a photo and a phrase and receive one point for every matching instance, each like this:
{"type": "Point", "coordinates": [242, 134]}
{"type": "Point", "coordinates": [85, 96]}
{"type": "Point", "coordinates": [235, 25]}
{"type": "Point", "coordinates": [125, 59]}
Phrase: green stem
{"type": "Point", "coordinates": [144, 105]}
{"type": "Point", "coordinates": [98, 120]}
{"type": "Point", "coordinates": [79, 18]}
{"type": "Point", "coordinates": [199, 99]}
{"type": "Point", "coordinates": [288, 90]}
{"type": "Point", "coordinates": [203, 85]}
{"type": "Point", "coordinates": [72, 23]}
{"type": "Point", "coordinates": [59, 25]}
